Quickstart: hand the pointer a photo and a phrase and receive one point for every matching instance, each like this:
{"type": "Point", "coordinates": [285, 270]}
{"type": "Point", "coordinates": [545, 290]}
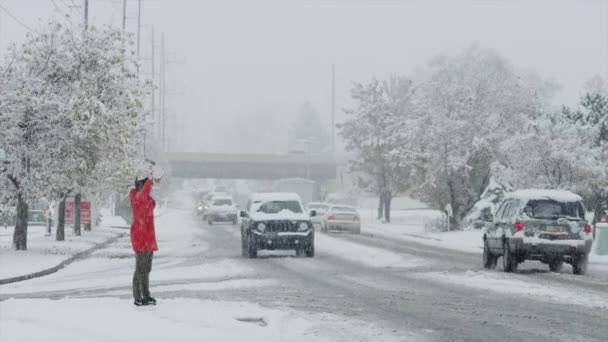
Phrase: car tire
{"type": "Point", "coordinates": [509, 262]}
{"type": "Point", "coordinates": [489, 260]}
{"type": "Point", "coordinates": [243, 245]}
{"type": "Point", "coordinates": [579, 265]}
{"type": "Point", "coordinates": [556, 265]}
{"type": "Point", "coordinates": [310, 250]}
{"type": "Point", "coordinates": [252, 248]}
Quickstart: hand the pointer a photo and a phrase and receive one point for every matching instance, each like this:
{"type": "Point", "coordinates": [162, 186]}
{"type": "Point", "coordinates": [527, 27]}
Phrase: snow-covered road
{"type": "Point", "coordinates": [357, 288]}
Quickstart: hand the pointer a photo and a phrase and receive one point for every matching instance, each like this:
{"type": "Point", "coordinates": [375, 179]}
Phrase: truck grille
{"type": "Point", "coordinates": [281, 227]}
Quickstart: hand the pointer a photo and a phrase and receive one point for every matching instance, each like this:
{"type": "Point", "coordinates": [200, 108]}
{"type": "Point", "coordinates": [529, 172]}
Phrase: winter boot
{"type": "Point", "coordinates": [140, 302]}
{"type": "Point", "coordinates": [150, 301]}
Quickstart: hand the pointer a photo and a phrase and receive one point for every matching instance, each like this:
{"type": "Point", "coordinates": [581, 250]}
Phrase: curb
{"type": "Point", "coordinates": [75, 257]}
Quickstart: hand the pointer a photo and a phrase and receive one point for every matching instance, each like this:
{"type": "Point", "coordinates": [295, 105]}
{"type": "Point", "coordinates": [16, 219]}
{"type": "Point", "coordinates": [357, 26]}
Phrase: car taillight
{"type": "Point", "coordinates": [588, 229]}
{"type": "Point", "coordinates": [356, 218]}
{"type": "Point", "coordinates": [330, 218]}
{"type": "Point", "coordinates": [519, 225]}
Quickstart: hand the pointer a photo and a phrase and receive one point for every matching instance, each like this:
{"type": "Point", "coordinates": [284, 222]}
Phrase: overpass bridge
{"type": "Point", "coordinates": [255, 166]}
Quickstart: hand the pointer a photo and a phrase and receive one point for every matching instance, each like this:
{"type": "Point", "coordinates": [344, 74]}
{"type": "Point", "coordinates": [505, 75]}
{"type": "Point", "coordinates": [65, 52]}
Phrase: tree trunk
{"type": "Point", "coordinates": [61, 220]}
{"type": "Point", "coordinates": [20, 233]}
{"type": "Point", "coordinates": [380, 206]}
{"type": "Point", "coordinates": [77, 201]}
{"type": "Point", "coordinates": [388, 198]}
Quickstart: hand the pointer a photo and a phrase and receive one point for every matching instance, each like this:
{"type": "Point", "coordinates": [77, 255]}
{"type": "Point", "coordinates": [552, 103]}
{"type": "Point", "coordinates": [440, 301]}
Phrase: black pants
{"type": "Point", "coordinates": [141, 277]}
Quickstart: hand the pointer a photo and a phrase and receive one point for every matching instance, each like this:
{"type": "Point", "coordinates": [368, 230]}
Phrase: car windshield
{"type": "Point", "coordinates": [219, 202]}
{"type": "Point", "coordinates": [552, 210]}
{"type": "Point", "coordinates": [274, 207]}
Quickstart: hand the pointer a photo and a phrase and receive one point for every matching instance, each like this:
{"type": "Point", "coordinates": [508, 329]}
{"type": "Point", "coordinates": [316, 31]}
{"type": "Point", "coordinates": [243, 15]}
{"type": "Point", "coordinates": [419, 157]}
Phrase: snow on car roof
{"type": "Point", "coordinates": [556, 195]}
{"type": "Point", "coordinates": [275, 196]}
{"type": "Point", "coordinates": [317, 204]}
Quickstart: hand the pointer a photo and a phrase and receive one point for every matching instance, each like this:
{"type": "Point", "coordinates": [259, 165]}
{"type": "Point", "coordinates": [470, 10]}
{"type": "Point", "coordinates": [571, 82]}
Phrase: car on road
{"type": "Point", "coordinates": [341, 217]}
{"type": "Point", "coordinates": [277, 221]}
{"type": "Point", "coordinates": [544, 225]}
{"type": "Point", "coordinates": [222, 209]}
{"type": "Point", "coordinates": [319, 208]}
{"type": "Point", "coordinates": [206, 203]}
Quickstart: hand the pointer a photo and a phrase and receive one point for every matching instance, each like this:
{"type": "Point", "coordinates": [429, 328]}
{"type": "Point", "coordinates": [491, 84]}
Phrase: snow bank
{"type": "Point", "coordinates": [43, 251]}
{"type": "Point", "coordinates": [369, 256]}
{"type": "Point", "coordinates": [520, 285]}
{"type": "Point", "coordinates": [109, 319]}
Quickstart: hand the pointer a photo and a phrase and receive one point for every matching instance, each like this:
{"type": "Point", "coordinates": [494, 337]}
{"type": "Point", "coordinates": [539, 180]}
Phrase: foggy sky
{"type": "Point", "coordinates": [266, 58]}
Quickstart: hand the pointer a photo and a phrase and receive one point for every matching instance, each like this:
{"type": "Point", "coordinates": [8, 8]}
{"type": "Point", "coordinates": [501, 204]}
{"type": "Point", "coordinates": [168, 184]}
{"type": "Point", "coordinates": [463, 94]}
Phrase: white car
{"type": "Point", "coordinates": [320, 208]}
{"type": "Point", "coordinates": [222, 209]}
{"type": "Point", "coordinates": [277, 221]}
{"type": "Point", "coordinates": [342, 218]}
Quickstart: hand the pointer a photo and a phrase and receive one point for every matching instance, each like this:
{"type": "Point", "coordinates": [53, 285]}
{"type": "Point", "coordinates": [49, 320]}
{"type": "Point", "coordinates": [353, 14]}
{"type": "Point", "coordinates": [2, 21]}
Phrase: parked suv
{"type": "Point", "coordinates": [277, 221]}
{"type": "Point", "coordinates": [544, 225]}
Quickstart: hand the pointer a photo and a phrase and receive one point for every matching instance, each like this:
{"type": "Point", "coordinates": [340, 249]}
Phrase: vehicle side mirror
{"type": "Point", "coordinates": [313, 213]}
{"type": "Point", "coordinates": [244, 214]}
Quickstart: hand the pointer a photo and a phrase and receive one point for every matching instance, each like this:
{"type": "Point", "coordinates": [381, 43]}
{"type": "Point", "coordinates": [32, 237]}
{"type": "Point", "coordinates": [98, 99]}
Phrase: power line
{"type": "Point", "coordinates": [15, 18]}
{"type": "Point", "coordinates": [65, 16]}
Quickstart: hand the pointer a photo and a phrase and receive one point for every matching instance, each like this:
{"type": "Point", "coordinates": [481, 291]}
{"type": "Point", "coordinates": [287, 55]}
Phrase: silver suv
{"type": "Point", "coordinates": [544, 225]}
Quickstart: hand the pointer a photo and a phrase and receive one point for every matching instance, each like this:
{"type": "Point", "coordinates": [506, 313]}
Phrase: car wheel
{"type": "Point", "coordinates": [243, 245]}
{"type": "Point", "coordinates": [509, 262]}
{"type": "Point", "coordinates": [489, 260]}
{"type": "Point", "coordinates": [579, 266]}
{"type": "Point", "coordinates": [252, 248]}
{"type": "Point", "coordinates": [310, 250]}
{"type": "Point", "coordinates": [556, 265]}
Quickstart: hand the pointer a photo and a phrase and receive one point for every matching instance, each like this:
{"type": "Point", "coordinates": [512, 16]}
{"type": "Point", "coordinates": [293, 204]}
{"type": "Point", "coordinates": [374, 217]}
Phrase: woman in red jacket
{"type": "Point", "coordinates": [143, 239]}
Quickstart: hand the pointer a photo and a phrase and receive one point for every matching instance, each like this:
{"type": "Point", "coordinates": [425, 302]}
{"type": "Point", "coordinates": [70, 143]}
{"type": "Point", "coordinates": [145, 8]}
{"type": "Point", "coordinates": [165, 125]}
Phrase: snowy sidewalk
{"type": "Point", "coordinates": [44, 252]}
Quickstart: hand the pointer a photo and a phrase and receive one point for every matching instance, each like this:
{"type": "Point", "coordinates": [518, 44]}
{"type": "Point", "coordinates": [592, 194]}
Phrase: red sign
{"type": "Point", "coordinates": [85, 212]}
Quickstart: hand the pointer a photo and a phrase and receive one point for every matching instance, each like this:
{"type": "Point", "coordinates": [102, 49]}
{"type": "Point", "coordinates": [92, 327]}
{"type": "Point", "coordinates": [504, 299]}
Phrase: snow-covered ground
{"type": "Point", "coordinates": [113, 319]}
{"type": "Point", "coordinates": [369, 256]}
{"type": "Point", "coordinates": [43, 251]}
{"type": "Point", "coordinates": [520, 285]}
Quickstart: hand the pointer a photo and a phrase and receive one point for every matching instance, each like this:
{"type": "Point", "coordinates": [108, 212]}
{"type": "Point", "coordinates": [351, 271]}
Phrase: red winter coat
{"type": "Point", "coordinates": [143, 237]}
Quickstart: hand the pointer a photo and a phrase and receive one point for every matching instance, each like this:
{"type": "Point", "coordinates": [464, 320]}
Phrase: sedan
{"type": "Point", "coordinates": [342, 218]}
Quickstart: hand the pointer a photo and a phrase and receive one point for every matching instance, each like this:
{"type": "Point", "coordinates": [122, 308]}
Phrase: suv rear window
{"type": "Point", "coordinates": [219, 202]}
{"type": "Point", "coordinates": [552, 210]}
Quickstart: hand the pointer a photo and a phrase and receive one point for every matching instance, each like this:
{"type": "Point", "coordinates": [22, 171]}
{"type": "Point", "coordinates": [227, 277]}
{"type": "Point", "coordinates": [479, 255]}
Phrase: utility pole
{"type": "Point", "coordinates": [153, 102]}
{"type": "Point", "coordinates": [124, 15]}
{"type": "Point", "coordinates": [333, 108]}
{"type": "Point", "coordinates": [138, 25]}
{"type": "Point", "coordinates": [162, 91]}
{"type": "Point", "coordinates": [86, 14]}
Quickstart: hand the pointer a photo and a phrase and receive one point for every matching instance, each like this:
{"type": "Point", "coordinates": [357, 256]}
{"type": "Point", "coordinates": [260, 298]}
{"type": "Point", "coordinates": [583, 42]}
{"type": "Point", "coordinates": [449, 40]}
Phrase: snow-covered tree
{"type": "Point", "coordinates": [72, 107]}
{"type": "Point", "coordinates": [376, 130]}
{"type": "Point", "coordinates": [469, 103]}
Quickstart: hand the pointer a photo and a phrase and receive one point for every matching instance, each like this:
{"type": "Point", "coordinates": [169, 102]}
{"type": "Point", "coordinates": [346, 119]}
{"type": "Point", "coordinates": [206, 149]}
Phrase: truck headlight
{"type": "Point", "coordinates": [261, 227]}
{"type": "Point", "coordinates": [303, 226]}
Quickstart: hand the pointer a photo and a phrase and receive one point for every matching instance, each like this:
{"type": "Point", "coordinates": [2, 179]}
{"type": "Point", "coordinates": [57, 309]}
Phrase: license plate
{"type": "Point", "coordinates": [554, 229]}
